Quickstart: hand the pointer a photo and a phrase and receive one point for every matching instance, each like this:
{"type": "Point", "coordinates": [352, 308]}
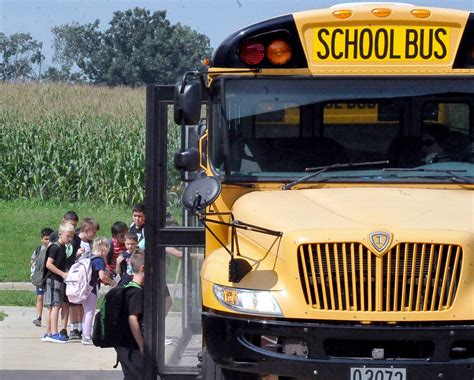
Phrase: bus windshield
{"type": "Point", "coordinates": [276, 129]}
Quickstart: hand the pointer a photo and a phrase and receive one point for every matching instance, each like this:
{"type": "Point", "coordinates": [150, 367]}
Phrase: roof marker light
{"type": "Point", "coordinates": [342, 13]}
{"type": "Point", "coordinates": [421, 13]}
{"type": "Point", "coordinates": [381, 12]}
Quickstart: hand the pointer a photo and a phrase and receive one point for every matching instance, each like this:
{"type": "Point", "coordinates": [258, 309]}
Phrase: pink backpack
{"type": "Point", "coordinates": [78, 281]}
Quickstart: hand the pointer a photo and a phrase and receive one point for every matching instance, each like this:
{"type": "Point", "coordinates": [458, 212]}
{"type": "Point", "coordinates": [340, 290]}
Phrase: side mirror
{"type": "Point", "coordinates": [201, 193]}
{"type": "Point", "coordinates": [187, 103]}
{"type": "Point", "coordinates": [187, 160]}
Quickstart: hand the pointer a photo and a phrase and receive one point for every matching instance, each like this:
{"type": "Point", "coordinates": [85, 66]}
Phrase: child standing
{"type": "Point", "coordinates": [55, 287]}
{"type": "Point", "coordinates": [71, 252]}
{"type": "Point", "coordinates": [123, 261]}
{"type": "Point", "coordinates": [100, 248]}
{"type": "Point", "coordinates": [44, 236]}
{"type": "Point", "coordinates": [119, 229]}
{"type": "Point", "coordinates": [130, 350]}
{"type": "Point", "coordinates": [138, 224]}
{"type": "Point", "coordinates": [87, 232]}
{"type": "Point", "coordinates": [138, 227]}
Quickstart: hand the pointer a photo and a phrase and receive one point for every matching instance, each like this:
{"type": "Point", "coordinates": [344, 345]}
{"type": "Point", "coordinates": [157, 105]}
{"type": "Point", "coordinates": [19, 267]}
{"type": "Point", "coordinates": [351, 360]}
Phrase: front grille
{"type": "Point", "coordinates": [409, 277]}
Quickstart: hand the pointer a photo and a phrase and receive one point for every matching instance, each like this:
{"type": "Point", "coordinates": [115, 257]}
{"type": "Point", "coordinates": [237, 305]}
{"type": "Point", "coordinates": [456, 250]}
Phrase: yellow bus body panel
{"type": "Point", "coordinates": [364, 43]}
{"type": "Point", "coordinates": [351, 213]}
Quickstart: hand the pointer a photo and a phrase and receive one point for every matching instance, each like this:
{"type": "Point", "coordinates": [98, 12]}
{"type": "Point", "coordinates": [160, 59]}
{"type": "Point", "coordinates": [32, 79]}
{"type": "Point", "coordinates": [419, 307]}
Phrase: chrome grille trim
{"type": "Point", "coordinates": [409, 277]}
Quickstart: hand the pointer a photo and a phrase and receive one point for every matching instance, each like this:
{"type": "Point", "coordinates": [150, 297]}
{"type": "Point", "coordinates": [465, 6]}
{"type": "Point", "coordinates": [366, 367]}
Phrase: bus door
{"type": "Point", "coordinates": [172, 306]}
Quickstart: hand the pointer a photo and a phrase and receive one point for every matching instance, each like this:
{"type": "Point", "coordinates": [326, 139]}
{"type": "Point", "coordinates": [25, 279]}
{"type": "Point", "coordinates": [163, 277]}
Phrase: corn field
{"type": "Point", "coordinates": [72, 143]}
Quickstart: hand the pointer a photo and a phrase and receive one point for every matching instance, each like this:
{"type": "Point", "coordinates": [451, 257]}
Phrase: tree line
{"type": "Point", "coordinates": [136, 48]}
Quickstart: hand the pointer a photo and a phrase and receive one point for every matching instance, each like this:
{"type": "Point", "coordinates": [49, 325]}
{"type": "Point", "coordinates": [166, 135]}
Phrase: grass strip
{"type": "Point", "coordinates": [17, 298]}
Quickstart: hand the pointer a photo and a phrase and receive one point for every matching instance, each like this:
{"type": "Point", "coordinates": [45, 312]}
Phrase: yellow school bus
{"type": "Point", "coordinates": [336, 187]}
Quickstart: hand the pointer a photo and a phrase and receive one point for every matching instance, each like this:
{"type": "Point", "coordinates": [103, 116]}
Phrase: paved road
{"type": "Point", "coordinates": [24, 356]}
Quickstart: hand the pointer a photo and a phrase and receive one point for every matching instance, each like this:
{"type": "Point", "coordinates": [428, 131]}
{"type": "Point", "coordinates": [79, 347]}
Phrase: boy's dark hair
{"type": "Point", "coordinates": [137, 260]}
{"type": "Point", "coordinates": [139, 207]}
{"type": "Point", "coordinates": [131, 236]}
{"type": "Point", "coordinates": [71, 215]}
{"type": "Point", "coordinates": [118, 228]}
{"type": "Point", "coordinates": [46, 231]}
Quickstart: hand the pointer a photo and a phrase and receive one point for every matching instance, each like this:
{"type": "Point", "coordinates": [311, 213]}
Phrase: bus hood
{"type": "Point", "coordinates": [358, 208]}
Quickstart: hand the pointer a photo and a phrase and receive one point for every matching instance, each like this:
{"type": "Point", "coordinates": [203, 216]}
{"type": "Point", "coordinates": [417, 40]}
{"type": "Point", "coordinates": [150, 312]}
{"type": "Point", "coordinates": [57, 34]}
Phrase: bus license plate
{"type": "Point", "coordinates": [371, 373]}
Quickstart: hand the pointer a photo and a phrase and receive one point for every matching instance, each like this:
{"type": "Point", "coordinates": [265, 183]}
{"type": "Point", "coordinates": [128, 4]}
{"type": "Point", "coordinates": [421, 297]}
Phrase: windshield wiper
{"type": "Point", "coordinates": [452, 172]}
{"type": "Point", "coordinates": [322, 169]}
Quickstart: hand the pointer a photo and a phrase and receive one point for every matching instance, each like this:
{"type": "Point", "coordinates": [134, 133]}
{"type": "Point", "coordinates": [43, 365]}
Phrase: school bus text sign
{"type": "Point", "coordinates": [407, 44]}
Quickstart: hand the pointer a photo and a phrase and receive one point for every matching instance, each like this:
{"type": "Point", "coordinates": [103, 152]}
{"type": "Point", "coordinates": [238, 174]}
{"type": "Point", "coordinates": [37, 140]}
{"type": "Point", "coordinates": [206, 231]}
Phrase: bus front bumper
{"type": "Point", "coordinates": [335, 351]}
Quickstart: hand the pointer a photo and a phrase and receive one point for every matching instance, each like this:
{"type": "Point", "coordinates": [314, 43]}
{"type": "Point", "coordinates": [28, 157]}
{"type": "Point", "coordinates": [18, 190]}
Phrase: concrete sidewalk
{"type": "Point", "coordinates": [22, 349]}
{"type": "Point", "coordinates": [30, 286]}
{"type": "Point", "coordinates": [16, 286]}
{"type": "Point", "coordinates": [24, 356]}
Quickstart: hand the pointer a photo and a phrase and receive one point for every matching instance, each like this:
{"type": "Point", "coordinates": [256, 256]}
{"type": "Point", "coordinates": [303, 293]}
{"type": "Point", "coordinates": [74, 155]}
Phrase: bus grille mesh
{"type": "Point", "coordinates": [350, 277]}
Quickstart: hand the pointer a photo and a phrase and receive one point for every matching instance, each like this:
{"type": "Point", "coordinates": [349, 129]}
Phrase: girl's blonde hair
{"type": "Point", "coordinates": [100, 243]}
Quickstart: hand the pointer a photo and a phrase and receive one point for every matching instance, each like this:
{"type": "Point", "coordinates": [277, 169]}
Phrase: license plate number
{"type": "Point", "coordinates": [371, 373]}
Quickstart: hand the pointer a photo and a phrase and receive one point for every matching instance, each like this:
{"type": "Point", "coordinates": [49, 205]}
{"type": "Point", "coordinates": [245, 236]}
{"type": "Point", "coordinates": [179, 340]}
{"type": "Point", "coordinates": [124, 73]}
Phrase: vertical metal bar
{"type": "Point", "coordinates": [361, 277]}
{"type": "Point", "coordinates": [315, 279]}
{"type": "Point", "coordinates": [404, 280]}
{"type": "Point", "coordinates": [445, 278]}
{"type": "Point", "coordinates": [305, 274]}
{"type": "Point", "coordinates": [389, 279]}
{"type": "Point", "coordinates": [421, 276]}
{"type": "Point", "coordinates": [379, 282]}
{"type": "Point", "coordinates": [436, 280]}
{"type": "Point", "coordinates": [321, 275]}
{"type": "Point", "coordinates": [397, 277]}
{"type": "Point", "coordinates": [338, 277]}
{"type": "Point", "coordinates": [369, 280]}
{"type": "Point", "coordinates": [331, 286]}
{"type": "Point", "coordinates": [428, 279]}
{"type": "Point", "coordinates": [346, 278]}
{"type": "Point", "coordinates": [155, 191]}
{"type": "Point", "coordinates": [454, 276]}
{"type": "Point", "coordinates": [354, 279]}
{"type": "Point", "coordinates": [412, 277]}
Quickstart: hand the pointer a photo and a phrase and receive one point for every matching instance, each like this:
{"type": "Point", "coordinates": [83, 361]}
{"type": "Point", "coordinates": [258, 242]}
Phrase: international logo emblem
{"type": "Point", "coordinates": [380, 241]}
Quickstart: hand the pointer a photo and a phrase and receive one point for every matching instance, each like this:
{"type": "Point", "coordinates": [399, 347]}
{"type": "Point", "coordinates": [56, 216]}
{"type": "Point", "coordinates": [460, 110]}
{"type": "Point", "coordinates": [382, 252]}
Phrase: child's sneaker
{"type": "Point", "coordinates": [87, 341]}
{"type": "Point", "coordinates": [37, 321]}
{"type": "Point", "coordinates": [75, 335]}
{"type": "Point", "coordinates": [45, 337]}
{"type": "Point", "coordinates": [63, 333]}
{"type": "Point", "coordinates": [56, 338]}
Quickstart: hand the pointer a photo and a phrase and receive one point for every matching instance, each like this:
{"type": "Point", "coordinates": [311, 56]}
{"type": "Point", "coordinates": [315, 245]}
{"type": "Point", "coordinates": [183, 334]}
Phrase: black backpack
{"type": "Point", "coordinates": [110, 319]}
{"type": "Point", "coordinates": [39, 275]}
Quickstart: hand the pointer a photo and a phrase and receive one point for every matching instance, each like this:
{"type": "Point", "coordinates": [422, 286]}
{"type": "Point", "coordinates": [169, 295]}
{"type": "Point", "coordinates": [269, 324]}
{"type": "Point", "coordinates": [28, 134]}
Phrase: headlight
{"type": "Point", "coordinates": [248, 301]}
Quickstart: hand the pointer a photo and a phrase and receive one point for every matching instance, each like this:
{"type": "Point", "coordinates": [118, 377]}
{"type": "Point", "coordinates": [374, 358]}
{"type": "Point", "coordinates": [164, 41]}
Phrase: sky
{"type": "Point", "coordinates": [214, 18]}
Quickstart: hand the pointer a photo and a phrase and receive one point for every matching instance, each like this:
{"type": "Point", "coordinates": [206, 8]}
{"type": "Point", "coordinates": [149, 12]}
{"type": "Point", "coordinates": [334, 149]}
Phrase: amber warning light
{"type": "Point", "coordinates": [278, 52]}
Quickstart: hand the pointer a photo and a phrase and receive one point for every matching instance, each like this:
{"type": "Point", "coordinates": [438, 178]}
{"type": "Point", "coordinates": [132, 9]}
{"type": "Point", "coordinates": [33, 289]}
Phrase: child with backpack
{"type": "Point", "coordinates": [98, 274]}
{"type": "Point", "coordinates": [44, 236]}
{"type": "Point", "coordinates": [72, 312]}
{"type": "Point", "coordinates": [130, 349]}
{"type": "Point", "coordinates": [55, 276]}
{"type": "Point", "coordinates": [87, 232]}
